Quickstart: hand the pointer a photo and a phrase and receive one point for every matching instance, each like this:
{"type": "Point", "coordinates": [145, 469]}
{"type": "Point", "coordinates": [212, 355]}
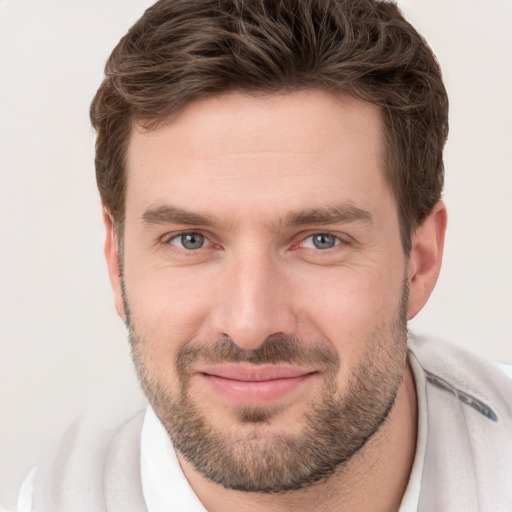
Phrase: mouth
{"type": "Point", "coordinates": [249, 384]}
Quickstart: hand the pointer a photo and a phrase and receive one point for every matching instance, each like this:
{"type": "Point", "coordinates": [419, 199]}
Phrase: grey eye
{"type": "Point", "coordinates": [323, 241]}
{"type": "Point", "coordinates": [191, 241]}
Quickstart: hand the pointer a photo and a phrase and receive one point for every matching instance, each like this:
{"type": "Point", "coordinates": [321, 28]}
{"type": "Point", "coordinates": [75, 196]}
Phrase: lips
{"type": "Point", "coordinates": [249, 384]}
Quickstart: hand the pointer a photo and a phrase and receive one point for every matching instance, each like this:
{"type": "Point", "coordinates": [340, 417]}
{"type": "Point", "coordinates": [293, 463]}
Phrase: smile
{"type": "Point", "coordinates": [248, 384]}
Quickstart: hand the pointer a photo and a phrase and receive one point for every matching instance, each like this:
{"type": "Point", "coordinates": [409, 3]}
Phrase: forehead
{"type": "Point", "coordinates": [303, 117]}
{"type": "Point", "coordinates": [295, 148]}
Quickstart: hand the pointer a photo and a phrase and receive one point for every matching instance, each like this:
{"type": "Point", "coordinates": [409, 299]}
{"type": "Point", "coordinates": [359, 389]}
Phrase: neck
{"type": "Point", "coordinates": [374, 479]}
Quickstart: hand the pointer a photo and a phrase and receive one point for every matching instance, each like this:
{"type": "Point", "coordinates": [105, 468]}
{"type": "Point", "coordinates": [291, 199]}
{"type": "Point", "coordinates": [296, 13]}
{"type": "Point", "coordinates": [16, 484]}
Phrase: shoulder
{"type": "Point", "coordinates": [464, 374]}
{"type": "Point", "coordinates": [96, 462]}
{"type": "Point", "coordinates": [468, 456]}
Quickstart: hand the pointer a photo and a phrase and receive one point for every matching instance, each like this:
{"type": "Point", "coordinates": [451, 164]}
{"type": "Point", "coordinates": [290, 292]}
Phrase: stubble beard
{"type": "Point", "coordinates": [250, 457]}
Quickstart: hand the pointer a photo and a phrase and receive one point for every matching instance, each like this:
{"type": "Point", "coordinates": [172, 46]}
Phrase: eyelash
{"type": "Point", "coordinates": [168, 240]}
{"type": "Point", "coordinates": [338, 241]}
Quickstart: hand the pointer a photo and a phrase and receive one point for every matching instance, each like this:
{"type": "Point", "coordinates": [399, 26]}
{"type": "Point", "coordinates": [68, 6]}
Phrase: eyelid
{"type": "Point", "coordinates": [311, 244]}
{"type": "Point", "coordinates": [168, 237]}
{"type": "Point", "coordinates": [341, 238]}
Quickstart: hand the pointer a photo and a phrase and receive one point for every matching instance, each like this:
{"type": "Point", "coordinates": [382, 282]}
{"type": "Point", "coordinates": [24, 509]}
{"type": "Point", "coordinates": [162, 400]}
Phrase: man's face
{"type": "Point", "coordinates": [264, 284]}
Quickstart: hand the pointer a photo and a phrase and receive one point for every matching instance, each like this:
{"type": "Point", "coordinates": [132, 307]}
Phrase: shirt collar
{"type": "Point", "coordinates": [411, 498]}
{"type": "Point", "coordinates": [164, 485]}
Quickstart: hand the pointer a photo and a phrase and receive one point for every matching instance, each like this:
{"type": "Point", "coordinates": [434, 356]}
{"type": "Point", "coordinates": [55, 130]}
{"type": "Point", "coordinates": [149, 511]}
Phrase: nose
{"type": "Point", "coordinates": [253, 301]}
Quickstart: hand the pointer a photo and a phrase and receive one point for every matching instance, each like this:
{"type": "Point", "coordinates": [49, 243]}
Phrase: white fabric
{"type": "Point", "coordinates": [164, 485]}
{"type": "Point", "coordinates": [506, 369]}
{"type": "Point", "coordinates": [411, 497]}
{"type": "Point", "coordinates": [26, 491]}
{"type": "Point", "coordinates": [468, 460]}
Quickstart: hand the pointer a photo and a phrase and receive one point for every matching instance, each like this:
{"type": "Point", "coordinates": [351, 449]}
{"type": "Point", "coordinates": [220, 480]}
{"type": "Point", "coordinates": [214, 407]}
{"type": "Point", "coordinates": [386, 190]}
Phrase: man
{"type": "Point", "coordinates": [271, 176]}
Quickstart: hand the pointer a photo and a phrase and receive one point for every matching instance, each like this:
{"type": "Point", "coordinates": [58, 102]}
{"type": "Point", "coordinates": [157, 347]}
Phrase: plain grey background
{"type": "Point", "coordinates": [62, 348]}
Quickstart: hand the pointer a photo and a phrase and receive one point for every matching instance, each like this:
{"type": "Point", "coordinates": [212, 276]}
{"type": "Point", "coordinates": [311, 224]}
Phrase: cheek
{"type": "Point", "coordinates": [167, 306]}
{"type": "Point", "coordinates": [346, 306]}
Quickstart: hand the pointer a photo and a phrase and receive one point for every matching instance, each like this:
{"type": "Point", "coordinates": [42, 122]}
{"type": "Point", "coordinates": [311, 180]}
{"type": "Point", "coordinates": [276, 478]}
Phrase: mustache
{"type": "Point", "coordinates": [274, 350]}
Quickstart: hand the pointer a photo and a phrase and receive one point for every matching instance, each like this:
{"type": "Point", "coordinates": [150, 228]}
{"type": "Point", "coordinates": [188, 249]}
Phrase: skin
{"type": "Point", "coordinates": [245, 163]}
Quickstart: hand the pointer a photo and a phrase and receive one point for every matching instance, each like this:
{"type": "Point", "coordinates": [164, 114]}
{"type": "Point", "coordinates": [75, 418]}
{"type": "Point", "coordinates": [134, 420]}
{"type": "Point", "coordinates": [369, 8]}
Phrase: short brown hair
{"type": "Point", "coordinates": [180, 50]}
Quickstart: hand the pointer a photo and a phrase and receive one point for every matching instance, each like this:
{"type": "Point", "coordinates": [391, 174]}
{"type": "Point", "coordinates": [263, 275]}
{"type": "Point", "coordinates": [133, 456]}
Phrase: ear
{"type": "Point", "coordinates": [424, 262]}
{"type": "Point", "coordinates": [112, 258]}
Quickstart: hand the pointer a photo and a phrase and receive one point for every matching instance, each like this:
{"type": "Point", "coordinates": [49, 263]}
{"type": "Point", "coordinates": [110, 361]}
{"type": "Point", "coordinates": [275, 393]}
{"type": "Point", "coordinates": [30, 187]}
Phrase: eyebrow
{"type": "Point", "coordinates": [338, 214]}
{"type": "Point", "coordinates": [169, 214]}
